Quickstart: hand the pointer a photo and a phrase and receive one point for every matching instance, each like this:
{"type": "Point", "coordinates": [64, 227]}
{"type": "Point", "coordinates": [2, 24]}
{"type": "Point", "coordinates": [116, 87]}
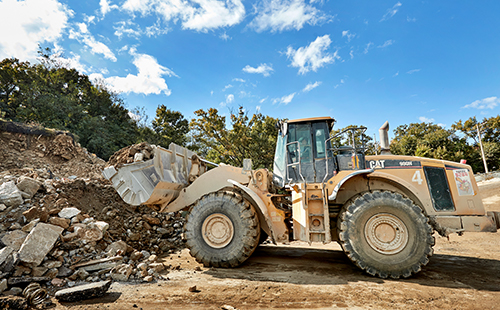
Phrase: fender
{"type": "Point", "coordinates": [266, 225]}
{"type": "Point", "coordinates": [339, 184]}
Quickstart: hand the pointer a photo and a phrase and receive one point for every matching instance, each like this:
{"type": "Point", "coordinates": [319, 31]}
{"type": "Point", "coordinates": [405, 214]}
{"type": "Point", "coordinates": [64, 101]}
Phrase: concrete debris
{"type": "Point", "coordinates": [68, 213]}
{"type": "Point", "coordinates": [38, 243]}
{"type": "Point", "coordinates": [82, 292]}
{"type": "Point", "coordinates": [121, 272]}
{"type": "Point", "coordinates": [67, 224]}
{"type": "Point", "coordinates": [28, 185]}
{"type": "Point", "coordinates": [228, 307]}
{"type": "Point", "coordinates": [10, 194]}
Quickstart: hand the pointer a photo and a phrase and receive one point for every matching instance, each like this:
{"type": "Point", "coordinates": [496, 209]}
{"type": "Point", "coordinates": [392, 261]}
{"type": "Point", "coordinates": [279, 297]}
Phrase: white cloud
{"type": "Point", "coordinates": [262, 100]}
{"type": "Point", "coordinates": [227, 87]}
{"type": "Point", "coordinates": [285, 99]}
{"type": "Point", "coordinates": [311, 86]}
{"type": "Point", "coordinates": [413, 71]}
{"type": "Point", "coordinates": [229, 99]}
{"type": "Point", "coordinates": [396, 74]}
{"type": "Point", "coordinates": [257, 108]}
{"type": "Point", "coordinates": [411, 19]}
{"type": "Point", "coordinates": [125, 28]}
{"type": "Point", "coordinates": [313, 56]}
{"type": "Point", "coordinates": [106, 7]}
{"type": "Point", "coordinates": [225, 37]}
{"type": "Point", "coordinates": [386, 44]}
{"type": "Point", "coordinates": [486, 103]}
{"type": "Point", "coordinates": [424, 119]}
{"type": "Point", "coordinates": [239, 80]}
{"type": "Point", "coordinates": [263, 69]}
{"type": "Point", "coordinates": [198, 15]}
{"type": "Point", "coordinates": [348, 34]}
{"type": "Point", "coordinates": [351, 53]}
{"type": "Point", "coordinates": [391, 12]}
{"type": "Point", "coordinates": [149, 79]}
{"type": "Point", "coordinates": [281, 15]}
{"type": "Point", "coordinates": [96, 47]}
{"type": "Point", "coordinates": [25, 24]}
{"type": "Point", "coordinates": [367, 48]}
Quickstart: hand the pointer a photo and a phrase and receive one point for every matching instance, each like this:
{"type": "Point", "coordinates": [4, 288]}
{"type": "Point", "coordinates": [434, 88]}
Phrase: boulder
{"type": "Point", "coordinates": [28, 185]}
{"type": "Point", "coordinates": [82, 292]}
{"type": "Point", "coordinates": [38, 243]}
{"type": "Point", "coordinates": [10, 194]}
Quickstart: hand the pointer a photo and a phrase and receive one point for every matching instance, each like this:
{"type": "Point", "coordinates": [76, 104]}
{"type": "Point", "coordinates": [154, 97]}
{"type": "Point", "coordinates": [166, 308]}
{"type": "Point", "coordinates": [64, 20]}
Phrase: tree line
{"type": "Point", "coordinates": [51, 95]}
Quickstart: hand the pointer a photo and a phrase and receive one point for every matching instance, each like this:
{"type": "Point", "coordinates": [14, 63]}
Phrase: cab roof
{"type": "Point", "coordinates": [328, 119]}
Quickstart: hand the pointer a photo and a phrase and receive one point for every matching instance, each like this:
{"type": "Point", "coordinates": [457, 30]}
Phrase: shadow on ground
{"type": "Point", "coordinates": [318, 266]}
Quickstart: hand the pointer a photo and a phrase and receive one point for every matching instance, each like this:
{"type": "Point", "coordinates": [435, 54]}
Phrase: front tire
{"type": "Point", "coordinates": [385, 234]}
{"type": "Point", "coordinates": [222, 230]}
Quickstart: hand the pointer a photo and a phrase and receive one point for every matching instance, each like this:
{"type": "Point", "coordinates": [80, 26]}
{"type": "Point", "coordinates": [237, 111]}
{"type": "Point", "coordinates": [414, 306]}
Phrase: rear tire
{"type": "Point", "coordinates": [222, 230]}
{"type": "Point", "coordinates": [385, 234]}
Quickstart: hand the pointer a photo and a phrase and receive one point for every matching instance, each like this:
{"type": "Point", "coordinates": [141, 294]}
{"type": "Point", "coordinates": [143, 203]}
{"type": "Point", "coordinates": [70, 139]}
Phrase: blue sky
{"type": "Point", "coordinates": [361, 62]}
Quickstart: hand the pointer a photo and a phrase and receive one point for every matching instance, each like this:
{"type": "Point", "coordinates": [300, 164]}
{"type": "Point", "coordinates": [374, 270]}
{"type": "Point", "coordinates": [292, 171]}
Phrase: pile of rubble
{"type": "Point", "coordinates": [134, 153]}
{"type": "Point", "coordinates": [62, 228]}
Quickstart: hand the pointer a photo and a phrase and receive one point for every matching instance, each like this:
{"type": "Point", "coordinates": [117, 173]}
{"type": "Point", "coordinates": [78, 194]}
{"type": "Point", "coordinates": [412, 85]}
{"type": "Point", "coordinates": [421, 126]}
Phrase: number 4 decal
{"type": "Point", "coordinates": [417, 177]}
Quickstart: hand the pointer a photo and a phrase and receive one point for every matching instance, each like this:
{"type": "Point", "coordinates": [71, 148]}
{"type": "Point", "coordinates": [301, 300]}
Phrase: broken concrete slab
{"type": "Point", "coordinates": [68, 213]}
{"type": "Point", "coordinates": [59, 221]}
{"type": "Point", "coordinates": [4, 253]}
{"type": "Point", "coordinates": [82, 292]}
{"type": "Point", "coordinates": [10, 194]}
{"type": "Point", "coordinates": [14, 239]}
{"type": "Point", "coordinates": [38, 243]}
{"type": "Point", "coordinates": [28, 227]}
{"type": "Point", "coordinates": [98, 263]}
{"type": "Point", "coordinates": [121, 272]}
{"type": "Point", "coordinates": [28, 185]}
{"type": "Point", "coordinates": [36, 213]}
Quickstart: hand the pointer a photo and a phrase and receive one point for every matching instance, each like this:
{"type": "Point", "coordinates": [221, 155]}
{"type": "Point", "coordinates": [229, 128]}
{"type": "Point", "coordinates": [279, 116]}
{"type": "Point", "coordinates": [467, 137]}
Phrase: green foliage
{"type": "Point", "coordinates": [359, 138]}
{"type": "Point", "coordinates": [170, 126]}
{"type": "Point", "coordinates": [61, 98]}
{"type": "Point", "coordinates": [253, 138]}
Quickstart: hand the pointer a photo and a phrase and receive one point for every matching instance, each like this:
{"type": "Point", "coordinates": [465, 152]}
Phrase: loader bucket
{"type": "Point", "coordinates": [155, 181]}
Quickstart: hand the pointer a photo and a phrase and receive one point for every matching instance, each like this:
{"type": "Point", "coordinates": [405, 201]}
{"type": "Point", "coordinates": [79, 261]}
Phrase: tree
{"type": "Point", "coordinates": [359, 137]}
{"type": "Point", "coordinates": [170, 126]}
{"type": "Point", "coordinates": [430, 140]}
{"type": "Point", "coordinates": [253, 138]}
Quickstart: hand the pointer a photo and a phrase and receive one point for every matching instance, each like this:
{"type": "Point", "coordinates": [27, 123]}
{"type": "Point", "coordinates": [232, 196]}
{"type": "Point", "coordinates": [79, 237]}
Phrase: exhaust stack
{"type": "Point", "coordinates": [384, 139]}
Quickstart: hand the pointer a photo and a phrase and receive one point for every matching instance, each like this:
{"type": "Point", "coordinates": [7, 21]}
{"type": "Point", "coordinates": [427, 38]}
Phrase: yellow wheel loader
{"type": "Point", "coordinates": [381, 209]}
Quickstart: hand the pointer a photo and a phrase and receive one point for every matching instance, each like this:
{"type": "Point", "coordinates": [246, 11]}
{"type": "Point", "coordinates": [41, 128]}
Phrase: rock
{"type": "Point", "coordinates": [52, 264]}
{"type": "Point", "coordinates": [38, 243]}
{"type": "Point", "coordinates": [151, 220]}
{"type": "Point", "coordinates": [142, 266]}
{"type": "Point", "coordinates": [4, 253]}
{"type": "Point", "coordinates": [68, 213]}
{"type": "Point", "coordinates": [13, 302]}
{"type": "Point", "coordinates": [121, 272]}
{"type": "Point", "coordinates": [82, 292]}
{"type": "Point", "coordinates": [116, 247]}
{"type": "Point", "coordinates": [59, 221]}
{"type": "Point", "coordinates": [134, 236]}
{"type": "Point", "coordinates": [28, 227]}
{"type": "Point", "coordinates": [193, 289]}
{"type": "Point", "coordinates": [36, 213]}
{"type": "Point", "coordinates": [99, 264]}
{"type": "Point", "coordinates": [2, 207]}
{"type": "Point", "coordinates": [148, 278]}
{"type": "Point", "coordinates": [14, 291]}
{"type": "Point", "coordinates": [52, 273]}
{"type": "Point", "coordinates": [103, 226]}
{"type": "Point", "coordinates": [82, 274]}
{"type": "Point", "coordinates": [14, 239]}
{"type": "Point", "coordinates": [145, 254]}
{"type": "Point", "coordinates": [20, 270]}
{"type": "Point", "coordinates": [90, 234]}
{"type": "Point", "coordinates": [157, 267]}
{"type": "Point", "coordinates": [135, 256]}
{"type": "Point", "coordinates": [58, 282]}
{"type": "Point", "coordinates": [3, 285]}
{"type": "Point", "coordinates": [152, 258]}
{"type": "Point", "coordinates": [228, 307]}
{"type": "Point", "coordinates": [15, 226]}
{"type": "Point", "coordinates": [38, 271]}
{"type": "Point", "coordinates": [10, 194]}
{"type": "Point", "coordinates": [28, 185]}
{"type": "Point", "coordinates": [64, 272]}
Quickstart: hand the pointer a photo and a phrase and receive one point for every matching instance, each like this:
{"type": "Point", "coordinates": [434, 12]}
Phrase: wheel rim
{"type": "Point", "coordinates": [386, 233]}
{"type": "Point", "coordinates": [217, 230]}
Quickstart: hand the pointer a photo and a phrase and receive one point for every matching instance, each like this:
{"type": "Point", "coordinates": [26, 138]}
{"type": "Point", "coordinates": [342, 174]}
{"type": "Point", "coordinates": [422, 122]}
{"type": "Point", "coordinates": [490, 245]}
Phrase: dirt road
{"type": "Point", "coordinates": [464, 273]}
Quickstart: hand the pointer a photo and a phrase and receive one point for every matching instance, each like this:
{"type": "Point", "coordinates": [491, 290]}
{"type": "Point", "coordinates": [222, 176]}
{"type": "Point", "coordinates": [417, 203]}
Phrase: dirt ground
{"type": "Point", "coordinates": [463, 273]}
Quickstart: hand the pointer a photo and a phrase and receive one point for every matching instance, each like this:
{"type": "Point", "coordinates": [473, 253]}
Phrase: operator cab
{"type": "Point", "coordinates": [304, 153]}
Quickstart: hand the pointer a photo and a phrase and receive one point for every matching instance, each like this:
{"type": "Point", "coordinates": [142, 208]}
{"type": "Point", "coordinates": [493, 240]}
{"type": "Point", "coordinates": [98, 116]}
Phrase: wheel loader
{"type": "Point", "coordinates": [382, 209]}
